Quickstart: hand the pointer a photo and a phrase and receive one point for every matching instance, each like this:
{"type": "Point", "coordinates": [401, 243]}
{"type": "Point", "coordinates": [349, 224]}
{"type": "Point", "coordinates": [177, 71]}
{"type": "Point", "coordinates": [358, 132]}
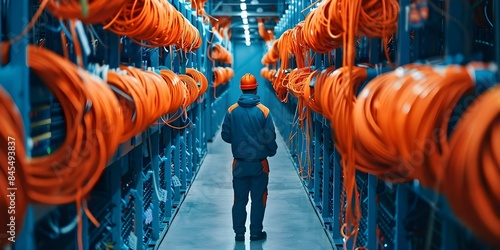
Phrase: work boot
{"type": "Point", "coordinates": [261, 236]}
{"type": "Point", "coordinates": [239, 237]}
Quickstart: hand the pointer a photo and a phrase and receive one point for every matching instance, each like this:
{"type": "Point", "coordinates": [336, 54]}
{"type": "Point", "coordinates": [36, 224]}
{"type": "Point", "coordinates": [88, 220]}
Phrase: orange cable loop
{"type": "Point", "coordinates": [98, 10]}
{"type": "Point", "coordinates": [157, 23]}
{"type": "Point", "coordinates": [472, 168]}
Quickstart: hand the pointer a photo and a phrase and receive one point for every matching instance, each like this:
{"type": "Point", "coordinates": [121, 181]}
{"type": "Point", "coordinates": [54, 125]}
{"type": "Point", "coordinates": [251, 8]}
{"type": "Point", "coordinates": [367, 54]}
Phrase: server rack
{"type": "Point", "coordinates": [394, 216]}
{"type": "Point", "coordinates": [149, 175]}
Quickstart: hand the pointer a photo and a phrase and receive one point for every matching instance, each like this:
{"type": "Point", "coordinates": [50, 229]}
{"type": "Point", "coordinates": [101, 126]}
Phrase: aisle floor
{"type": "Point", "coordinates": [204, 218]}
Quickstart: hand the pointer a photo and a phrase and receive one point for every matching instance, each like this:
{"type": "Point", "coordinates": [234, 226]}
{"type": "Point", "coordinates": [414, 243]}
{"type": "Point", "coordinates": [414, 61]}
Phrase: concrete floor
{"type": "Point", "coordinates": [204, 218]}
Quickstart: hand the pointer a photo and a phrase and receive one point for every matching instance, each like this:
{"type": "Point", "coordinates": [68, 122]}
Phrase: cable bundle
{"type": "Point", "coordinates": [156, 22]}
{"type": "Point", "coordinates": [177, 96]}
{"type": "Point", "coordinates": [280, 83]}
{"type": "Point", "coordinates": [298, 84]}
{"type": "Point", "coordinates": [93, 119]}
{"type": "Point", "coordinates": [268, 73]}
{"type": "Point", "coordinates": [148, 96]}
{"type": "Point", "coordinates": [221, 54]}
{"type": "Point", "coordinates": [335, 23]}
{"type": "Point", "coordinates": [199, 78]}
{"type": "Point", "coordinates": [473, 168]}
{"type": "Point", "coordinates": [413, 125]}
{"type": "Point", "coordinates": [272, 55]}
{"type": "Point", "coordinates": [298, 45]}
{"type": "Point", "coordinates": [334, 95]}
{"type": "Point", "coordinates": [199, 5]}
{"type": "Point", "coordinates": [266, 35]}
{"type": "Point", "coordinates": [133, 110]}
{"type": "Point", "coordinates": [192, 91]}
{"type": "Point", "coordinates": [93, 11]}
{"type": "Point", "coordinates": [222, 75]}
{"type": "Point", "coordinates": [322, 37]}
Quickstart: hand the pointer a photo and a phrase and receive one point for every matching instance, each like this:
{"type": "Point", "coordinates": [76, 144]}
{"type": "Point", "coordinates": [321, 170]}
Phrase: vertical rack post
{"type": "Point", "coordinates": [177, 164]}
{"type": "Point", "coordinates": [137, 167]}
{"type": "Point", "coordinates": [155, 163]}
{"type": "Point", "coordinates": [14, 78]}
{"type": "Point", "coordinates": [167, 153]}
{"type": "Point", "coordinates": [183, 162]}
{"type": "Point", "coordinates": [458, 27]}
{"type": "Point", "coordinates": [327, 169]}
{"type": "Point", "coordinates": [116, 212]}
{"type": "Point", "coordinates": [403, 55]}
{"type": "Point", "coordinates": [337, 195]}
{"type": "Point", "coordinates": [401, 211]}
{"type": "Point", "coordinates": [372, 212]}
{"type": "Point", "coordinates": [316, 161]}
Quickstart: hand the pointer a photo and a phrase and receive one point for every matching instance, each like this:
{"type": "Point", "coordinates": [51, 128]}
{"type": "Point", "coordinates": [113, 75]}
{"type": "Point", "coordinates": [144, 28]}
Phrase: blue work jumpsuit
{"type": "Point", "coordinates": [249, 128]}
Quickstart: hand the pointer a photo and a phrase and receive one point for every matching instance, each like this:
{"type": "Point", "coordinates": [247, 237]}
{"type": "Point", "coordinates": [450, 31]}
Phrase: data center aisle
{"type": "Point", "coordinates": [204, 218]}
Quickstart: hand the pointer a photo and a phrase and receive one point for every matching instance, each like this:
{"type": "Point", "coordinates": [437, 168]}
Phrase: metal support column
{"type": "Point", "coordinates": [403, 34]}
{"type": "Point", "coordinates": [155, 163]}
{"type": "Point", "coordinates": [401, 211]}
{"type": "Point", "coordinates": [183, 167]}
{"type": "Point", "coordinates": [138, 194]}
{"type": "Point", "coordinates": [167, 153]}
{"type": "Point", "coordinates": [372, 212]}
{"type": "Point", "coordinates": [316, 162]}
{"type": "Point", "coordinates": [177, 163]}
{"type": "Point", "coordinates": [116, 200]}
{"type": "Point", "coordinates": [327, 169]}
{"type": "Point", "coordinates": [458, 28]}
{"type": "Point", "coordinates": [337, 195]}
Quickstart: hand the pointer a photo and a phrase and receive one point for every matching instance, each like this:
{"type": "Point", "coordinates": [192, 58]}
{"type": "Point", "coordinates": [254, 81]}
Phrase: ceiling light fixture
{"type": "Point", "coordinates": [247, 32]}
{"type": "Point", "coordinates": [244, 14]}
{"type": "Point", "coordinates": [245, 21]}
{"type": "Point", "coordinates": [254, 2]}
{"type": "Point", "coordinates": [243, 6]}
{"type": "Point", "coordinates": [248, 43]}
{"type": "Point", "coordinates": [246, 26]}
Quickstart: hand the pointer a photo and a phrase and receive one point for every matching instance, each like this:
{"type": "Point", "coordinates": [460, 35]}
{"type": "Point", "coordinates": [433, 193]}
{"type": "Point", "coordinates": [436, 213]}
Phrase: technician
{"type": "Point", "coordinates": [249, 128]}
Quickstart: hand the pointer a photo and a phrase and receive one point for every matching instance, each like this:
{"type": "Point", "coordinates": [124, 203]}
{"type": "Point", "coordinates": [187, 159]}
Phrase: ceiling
{"type": "Point", "coordinates": [270, 10]}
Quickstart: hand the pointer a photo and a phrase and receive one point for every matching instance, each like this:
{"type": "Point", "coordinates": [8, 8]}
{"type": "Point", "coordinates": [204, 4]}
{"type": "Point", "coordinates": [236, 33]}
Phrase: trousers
{"type": "Point", "coordinates": [249, 178]}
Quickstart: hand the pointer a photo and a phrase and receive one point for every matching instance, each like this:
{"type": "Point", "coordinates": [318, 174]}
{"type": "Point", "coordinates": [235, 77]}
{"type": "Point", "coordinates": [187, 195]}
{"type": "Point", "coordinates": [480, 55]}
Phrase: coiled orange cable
{"type": "Point", "coordinates": [222, 75]}
{"type": "Point", "coordinates": [96, 11]}
{"type": "Point", "coordinates": [417, 107]}
{"type": "Point", "coordinates": [221, 54]}
{"type": "Point", "coordinates": [156, 22]}
{"type": "Point", "coordinates": [87, 130]}
{"type": "Point", "coordinates": [192, 89]}
{"type": "Point", "coordinates": [473, 168]}
{"type": "Point", "coordinates": [199, 78]}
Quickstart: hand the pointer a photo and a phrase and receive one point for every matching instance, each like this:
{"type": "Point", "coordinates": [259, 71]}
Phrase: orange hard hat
{"type": "Point", "coordinates": [248, 82]}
